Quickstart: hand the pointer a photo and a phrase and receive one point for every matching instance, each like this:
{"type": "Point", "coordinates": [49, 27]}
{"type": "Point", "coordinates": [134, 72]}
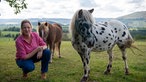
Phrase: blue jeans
{"type": "Point", "coordinates": [28, 65]}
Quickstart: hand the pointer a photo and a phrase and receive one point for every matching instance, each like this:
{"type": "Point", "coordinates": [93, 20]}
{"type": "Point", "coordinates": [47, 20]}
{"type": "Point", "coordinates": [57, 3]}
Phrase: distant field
{"type": "Point", "coordinates": [9, 32]}
{"type": "Point", "coordinates": [69, 67]}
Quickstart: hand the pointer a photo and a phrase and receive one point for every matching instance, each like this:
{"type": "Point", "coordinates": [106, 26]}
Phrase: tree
{"type": "Point", "coordinates": [18, 5]}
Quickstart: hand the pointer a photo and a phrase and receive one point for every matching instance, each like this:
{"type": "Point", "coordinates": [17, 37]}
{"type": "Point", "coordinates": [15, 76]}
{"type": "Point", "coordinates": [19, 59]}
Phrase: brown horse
{"type": "Point", "coordinates": [52, 35]}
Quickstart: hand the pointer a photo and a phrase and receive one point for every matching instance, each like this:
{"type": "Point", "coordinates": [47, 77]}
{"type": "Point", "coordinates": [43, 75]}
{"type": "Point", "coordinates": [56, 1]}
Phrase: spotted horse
{"type": "Point", "coordinates": [89, 36]}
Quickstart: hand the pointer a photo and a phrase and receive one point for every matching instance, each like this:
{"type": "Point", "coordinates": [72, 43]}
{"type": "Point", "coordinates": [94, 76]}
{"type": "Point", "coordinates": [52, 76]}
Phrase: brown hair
{"type": "Point", "coordinates": [25, 21]}
{"type": "Point", "coordinates": [22, 22]}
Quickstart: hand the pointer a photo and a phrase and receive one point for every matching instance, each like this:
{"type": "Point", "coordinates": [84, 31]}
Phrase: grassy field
{"type": "Point", "coordinates": [69, 67]}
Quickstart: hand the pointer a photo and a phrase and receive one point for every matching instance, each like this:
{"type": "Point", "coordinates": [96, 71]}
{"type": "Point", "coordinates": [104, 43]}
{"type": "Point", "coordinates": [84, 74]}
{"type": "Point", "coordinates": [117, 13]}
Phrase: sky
{"type": "Point", "coordinates": [67, 8]}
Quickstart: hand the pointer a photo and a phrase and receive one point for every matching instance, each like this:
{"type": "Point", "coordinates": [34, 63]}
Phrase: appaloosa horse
{"type": "Point", "coordinates": [88, 35]}
{"type": "Point", "coordinates": [52, 35]}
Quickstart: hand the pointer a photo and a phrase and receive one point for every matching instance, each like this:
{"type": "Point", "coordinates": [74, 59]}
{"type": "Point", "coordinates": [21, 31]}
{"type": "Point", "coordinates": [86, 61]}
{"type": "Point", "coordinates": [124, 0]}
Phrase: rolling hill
{"type": "Point", "coordinates": [137, 15]}
{"type": "Point", "coordinates": [133, 20]}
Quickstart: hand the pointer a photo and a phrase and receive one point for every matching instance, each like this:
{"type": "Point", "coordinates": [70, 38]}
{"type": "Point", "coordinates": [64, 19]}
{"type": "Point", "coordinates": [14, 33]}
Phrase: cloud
{"type": "Point", "coordinates": [87, 3]}
{"type": "Point", "coordinates": [136, 1]}
{"type": "Point", "coordinates": [66, 8]}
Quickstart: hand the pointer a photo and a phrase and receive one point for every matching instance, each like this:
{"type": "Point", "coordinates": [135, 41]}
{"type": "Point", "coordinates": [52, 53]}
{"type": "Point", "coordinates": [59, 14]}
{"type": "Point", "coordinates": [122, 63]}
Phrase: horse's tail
{"type": "Point", "coordinates": [131, 45]}
{"type": "Point", "coordinates": [129, 41]}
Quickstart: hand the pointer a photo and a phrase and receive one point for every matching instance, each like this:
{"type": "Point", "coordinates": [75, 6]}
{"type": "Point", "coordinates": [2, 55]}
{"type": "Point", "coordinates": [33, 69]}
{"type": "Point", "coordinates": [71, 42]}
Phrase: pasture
{"type": "Point", "coordinates": [69, 68]}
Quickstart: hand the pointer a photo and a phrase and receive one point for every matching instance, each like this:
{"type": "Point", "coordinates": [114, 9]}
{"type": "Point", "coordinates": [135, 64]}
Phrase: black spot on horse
{"type": "Point", "coordinates": [87, 60]}
{"type": "Point", "coordinates": [102, 31]}
{"type": "Point", "coordinates": [78, 43]}
{"type": "Point", "coordinates": [112, 31]}
{"type": "Point", "coordinates": [109, 44]}
{"type": "Point", "coordinates": [102, 28]}
{"type": "Point", "coordinates": [124, 33]}
{"type": "Point", "coordinates": [78, 48]}
{"type": "Point", "coordinates": [85, 71]}
{"type": "Point", "coordinates": [115, 28]}
{"type": "Point", "coordinates": [96, 39]}
{"type": "Point", "coordinates": [88, 33]}
{"type": "Point", "coordinates": [115, 36]}
{"type": "Point", "coordinates": [84, 63]}
{"type": "Point", "coordinates": [83, 50]}
{"type": "Point", "coordinates": [109, 34]}
{"type": "Point", "coordinates": [115, 31]}
{"type": "Point", "coordinates": [83, 29]}
{"type": "Point", "coordinates": [104, 41]}
{"type": "Point", "coordinates": [111, 38]}
{"type": "Point", "coordinates": [96, 32]}
{"type": "Point", "coordinates": [120, 40]}
{"type": "Point", "coordinates": [88, 53]}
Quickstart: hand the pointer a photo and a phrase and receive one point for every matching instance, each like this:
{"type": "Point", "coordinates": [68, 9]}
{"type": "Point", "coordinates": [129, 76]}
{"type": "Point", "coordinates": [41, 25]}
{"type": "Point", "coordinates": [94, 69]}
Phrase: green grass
{"type": "Point", "coordinates": [69, 67]}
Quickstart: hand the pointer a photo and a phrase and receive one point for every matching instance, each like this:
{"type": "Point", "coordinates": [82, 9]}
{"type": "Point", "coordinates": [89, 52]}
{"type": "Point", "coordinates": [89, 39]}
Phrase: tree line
{"type": "Point", "coordinates": [14, 35]}
{"type": "Point", "coordinates": [9, 31]}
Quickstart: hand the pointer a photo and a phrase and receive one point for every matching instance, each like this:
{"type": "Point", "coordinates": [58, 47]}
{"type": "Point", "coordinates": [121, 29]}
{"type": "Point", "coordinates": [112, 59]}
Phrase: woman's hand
{"type": "Point", "coordinates": [39, 48]}
{"type": "Point", "coordinates": [40, 51]}
{"type": "Point", "coordinates": [39, 54]}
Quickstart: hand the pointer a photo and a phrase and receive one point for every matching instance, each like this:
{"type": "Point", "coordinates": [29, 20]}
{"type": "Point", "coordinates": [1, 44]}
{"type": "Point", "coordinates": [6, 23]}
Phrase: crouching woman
{"type": "Point", "coordinates": [30, 48]}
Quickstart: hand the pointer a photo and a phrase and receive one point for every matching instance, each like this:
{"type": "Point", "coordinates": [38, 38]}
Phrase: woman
{"type": "Point", "coordinates": [30, 48]}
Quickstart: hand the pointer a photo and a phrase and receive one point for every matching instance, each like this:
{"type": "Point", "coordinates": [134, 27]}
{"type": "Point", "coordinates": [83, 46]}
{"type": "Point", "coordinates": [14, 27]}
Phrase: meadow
{"type": "Point", "coordinates": [69, 68]}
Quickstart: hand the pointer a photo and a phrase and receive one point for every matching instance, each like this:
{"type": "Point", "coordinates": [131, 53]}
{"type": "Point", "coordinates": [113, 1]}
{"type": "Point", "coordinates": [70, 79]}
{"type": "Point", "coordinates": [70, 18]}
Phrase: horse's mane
{"type": "Point", "coordinates": [86, 15]}
{"type": "Point", "coordinates": [58, 25]}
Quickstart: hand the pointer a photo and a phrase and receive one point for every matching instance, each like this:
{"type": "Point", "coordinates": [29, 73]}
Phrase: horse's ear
{"type": "Point", "coordinates": [39, 23]}
{"type": "Point", "coordinates": [80, 13]}
{"type": "Point", "coordinates": [91, 10]}
{"type": "Point", "coordinates": [46, 23]}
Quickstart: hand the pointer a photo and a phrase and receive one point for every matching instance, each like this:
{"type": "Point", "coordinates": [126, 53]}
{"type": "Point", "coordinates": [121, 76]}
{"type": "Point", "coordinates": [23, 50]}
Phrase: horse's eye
{"type": "Point", "coordinates": [83, 29]}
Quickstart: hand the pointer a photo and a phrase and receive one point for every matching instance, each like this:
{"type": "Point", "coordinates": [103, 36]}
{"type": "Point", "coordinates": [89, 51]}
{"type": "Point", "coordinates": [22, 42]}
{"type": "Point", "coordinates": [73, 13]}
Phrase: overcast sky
{"type": "Point", "coordinates": [66, 8]}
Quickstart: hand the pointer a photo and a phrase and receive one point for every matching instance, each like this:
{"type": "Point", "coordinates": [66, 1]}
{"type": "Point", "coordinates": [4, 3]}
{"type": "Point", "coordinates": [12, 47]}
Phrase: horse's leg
{"type": "Point", "coordinates": [124, 56]}
{"type": "Point", "coordinates": [109, 66]}
{"type": "Point", "coordinates": [85, 60]}
{"type": "Point", "coordinates": [52, 51]}
{"type": "Point", "coordinates": [58, 48]}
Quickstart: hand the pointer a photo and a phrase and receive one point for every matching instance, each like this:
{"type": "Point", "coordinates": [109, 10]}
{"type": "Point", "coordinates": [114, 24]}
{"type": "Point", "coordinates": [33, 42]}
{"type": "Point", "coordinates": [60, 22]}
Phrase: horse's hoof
{"type": "Point", "coordinates": [107, 72]}
{"type": "Point", "coordinates": [59, 56]}
{"type": "Point", "coordinates": [84, 79]}
{"type": "Point", "coordinates": [127, 73]}
{"type": "Point", "coordinates": [50, 61]}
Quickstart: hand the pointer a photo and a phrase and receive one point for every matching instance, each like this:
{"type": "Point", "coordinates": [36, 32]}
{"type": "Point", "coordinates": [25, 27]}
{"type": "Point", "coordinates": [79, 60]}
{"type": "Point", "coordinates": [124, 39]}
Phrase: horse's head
{"type": "Point", "coordinates": [83, 24]}
{"type": "Point", "coordinates": [43, 30]}
{"type": "Point", "coordinates": [85, 15]}
{"type": "Point", "coordinates": [81, 17]}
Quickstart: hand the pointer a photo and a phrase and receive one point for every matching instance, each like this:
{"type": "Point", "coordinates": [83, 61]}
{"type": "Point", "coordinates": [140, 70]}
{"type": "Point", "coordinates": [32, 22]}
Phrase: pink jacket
{"type": "Point", "coordinates": [23, 47]}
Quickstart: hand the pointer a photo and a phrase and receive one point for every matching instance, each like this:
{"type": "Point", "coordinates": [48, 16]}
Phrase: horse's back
{"type": "Point", "coordinates": [58, 29]}
{"type": "Point", "coordinates": [122, 31]}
